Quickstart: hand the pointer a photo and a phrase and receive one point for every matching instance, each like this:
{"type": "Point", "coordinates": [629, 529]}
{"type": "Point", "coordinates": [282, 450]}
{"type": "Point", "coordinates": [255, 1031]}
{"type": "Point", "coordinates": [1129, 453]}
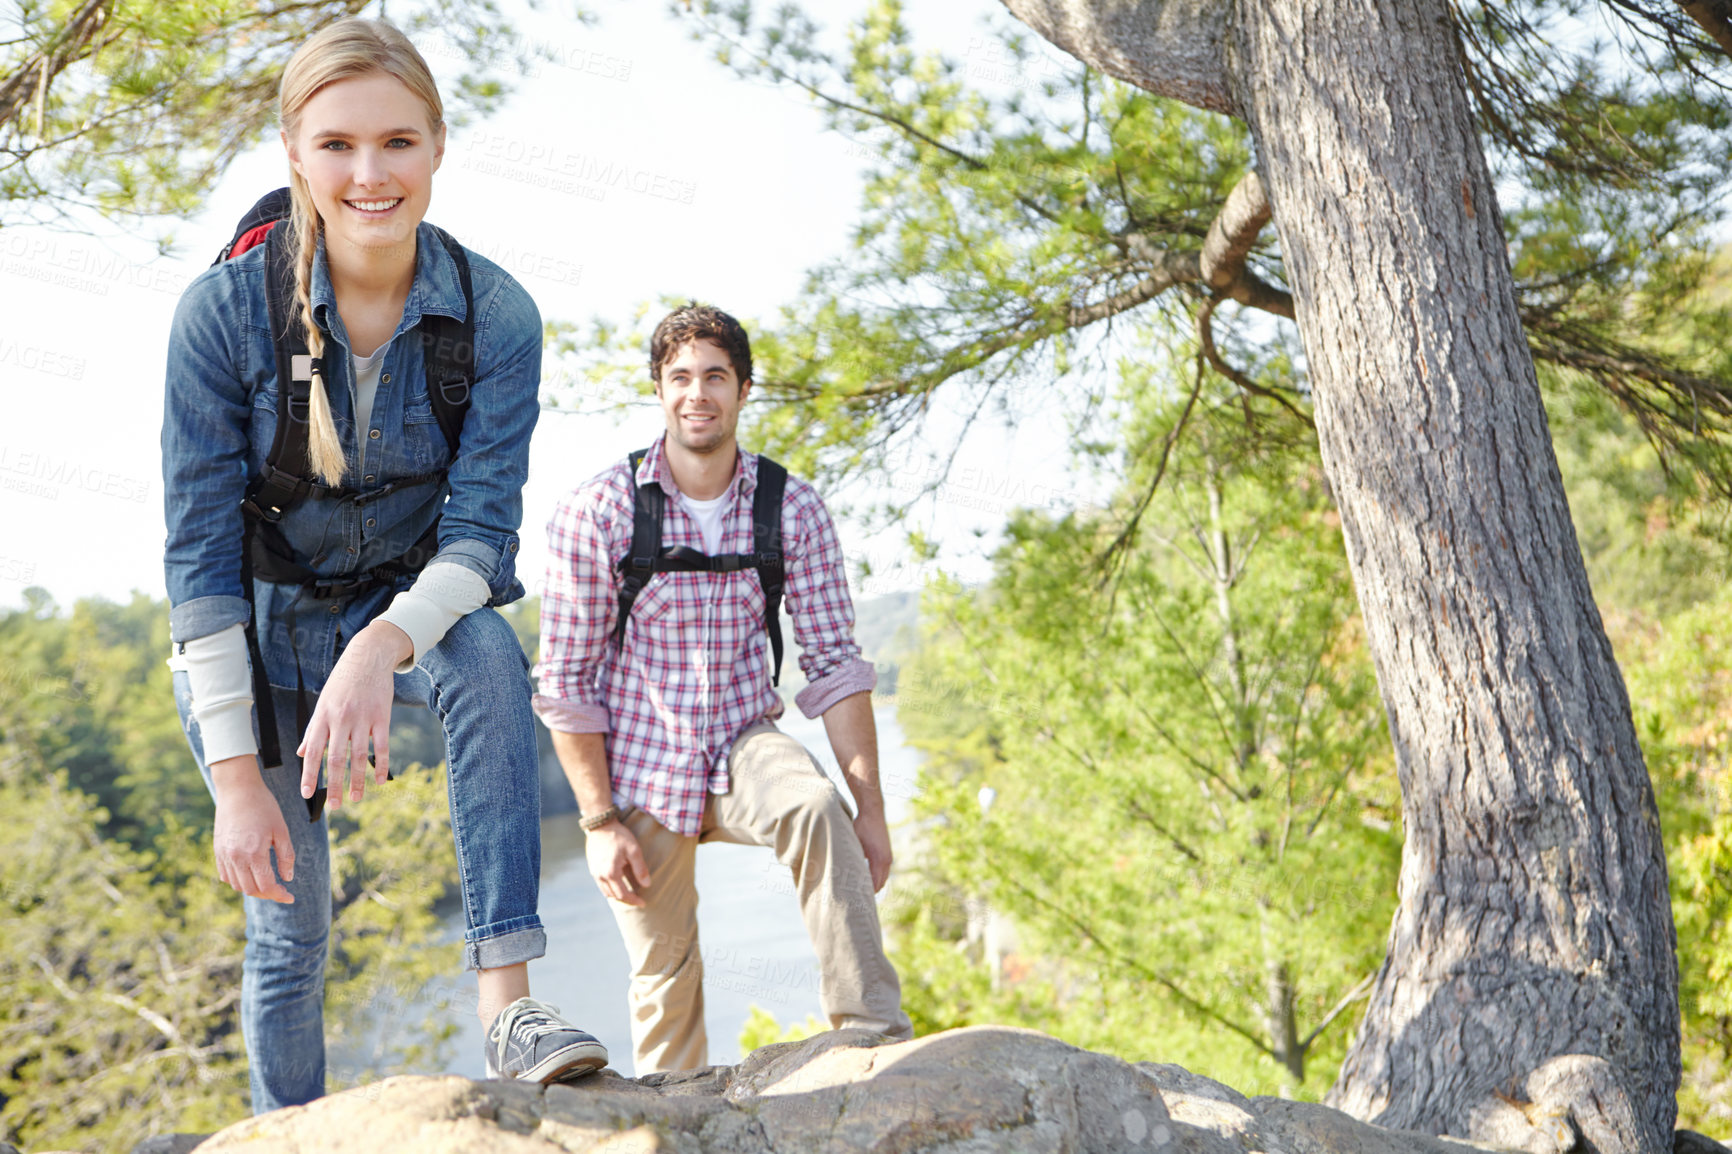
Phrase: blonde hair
{"type": "Point", "coordinates": [346, 49]}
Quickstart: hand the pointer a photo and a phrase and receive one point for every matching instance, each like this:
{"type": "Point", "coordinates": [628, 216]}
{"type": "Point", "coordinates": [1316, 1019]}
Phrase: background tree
{"type": "Point", "coordinates": [1381, 133]}
{"type": "Point", "coordinates": [1016, 208]}
{"type": "Point", "coordinates": [1193, 800]}
{"type": "Point", "coordinates": [122, 954]}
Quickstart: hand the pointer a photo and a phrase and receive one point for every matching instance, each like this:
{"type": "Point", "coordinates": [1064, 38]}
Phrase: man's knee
{"type": "Point", "coordinates": [813, 814]}
{"type": "Point", "coordinates": [667, 953]}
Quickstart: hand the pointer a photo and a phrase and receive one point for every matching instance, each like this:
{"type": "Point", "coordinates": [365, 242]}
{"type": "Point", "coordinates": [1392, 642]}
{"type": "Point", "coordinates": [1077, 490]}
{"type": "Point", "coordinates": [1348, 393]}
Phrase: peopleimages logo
{"type": "Point", "coordinates": [81, 267]}
{"type": "Point", "coordinates": [535, 51]}
{"type": "Point", "coordinates": [37, 359]}
{"type": "Point", "coordinates": [581, 173]}
{"type": "Point", "coordinates": [42, 475]}
{"type": "Point", "coordinates": [523, 263]}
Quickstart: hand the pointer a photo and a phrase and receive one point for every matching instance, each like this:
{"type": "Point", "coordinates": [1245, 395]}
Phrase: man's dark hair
{"type": "Point", "coordinates": [696, 322]}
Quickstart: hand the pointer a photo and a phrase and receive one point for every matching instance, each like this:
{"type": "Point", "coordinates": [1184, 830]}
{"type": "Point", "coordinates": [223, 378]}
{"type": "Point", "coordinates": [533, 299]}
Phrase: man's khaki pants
{"type": "Point", "coordinates": [778, 798]}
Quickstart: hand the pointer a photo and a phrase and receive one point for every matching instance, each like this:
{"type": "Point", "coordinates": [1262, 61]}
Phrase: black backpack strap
{"type": "Point", "coordinates": [767, 544]}
{"type": "Point", "coordinates": [270, 750]}
{"type": "Point", "coordinates": [449, 354]}
{"type": "Point", "coordinates": [282, 481]}
{"type": "Point", "coordinates": [639, 563]}
{"type": "Point", "coordinates": [448, 350]}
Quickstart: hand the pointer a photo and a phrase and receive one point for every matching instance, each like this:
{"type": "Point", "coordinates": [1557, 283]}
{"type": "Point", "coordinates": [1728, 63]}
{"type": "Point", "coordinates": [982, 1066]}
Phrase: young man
{"type": "Point", "coordinates": [669, 737]}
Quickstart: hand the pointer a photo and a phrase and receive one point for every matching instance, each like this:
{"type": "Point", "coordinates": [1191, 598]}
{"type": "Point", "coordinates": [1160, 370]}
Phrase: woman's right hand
{"type": "Point", "coordinates": [616, 862]}
{"type": "Point", "coordinates": [354, 709]}
{"type": "Point", "coordinates": [249, 824]}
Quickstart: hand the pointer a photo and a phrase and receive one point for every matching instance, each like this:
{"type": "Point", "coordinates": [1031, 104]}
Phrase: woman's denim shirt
{"type": "Point", "coordinates": [220, 417]}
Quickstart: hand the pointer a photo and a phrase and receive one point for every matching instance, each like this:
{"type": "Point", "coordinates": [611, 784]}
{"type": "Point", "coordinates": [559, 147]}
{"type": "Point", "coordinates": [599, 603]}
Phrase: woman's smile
{"type": "Point", "coordinates": [368, 154]}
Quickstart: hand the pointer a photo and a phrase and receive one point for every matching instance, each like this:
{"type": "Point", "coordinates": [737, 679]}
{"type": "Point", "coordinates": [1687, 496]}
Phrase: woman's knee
{"type": "Point", "coordinates": [297, 947]}
{"type": "Point", "coordinates": [480, 653]}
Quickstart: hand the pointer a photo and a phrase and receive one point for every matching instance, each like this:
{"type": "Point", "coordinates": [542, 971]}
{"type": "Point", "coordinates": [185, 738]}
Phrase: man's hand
{"type": "Point", "coordinates": [354, 706]}
{"type": "Point", "coordinates": [874, 835]}
{"type": "Point", "coordinates": [249, 824]}
{"type": "Point", "coordinates": [616, 862]}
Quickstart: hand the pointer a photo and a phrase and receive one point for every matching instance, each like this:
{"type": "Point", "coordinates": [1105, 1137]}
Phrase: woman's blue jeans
{"type": "Point", "coordinates": [476, 680]}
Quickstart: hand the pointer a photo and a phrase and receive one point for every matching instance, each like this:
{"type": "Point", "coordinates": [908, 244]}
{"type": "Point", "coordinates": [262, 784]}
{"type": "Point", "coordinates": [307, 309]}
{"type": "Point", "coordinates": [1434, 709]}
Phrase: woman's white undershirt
{"type": "Point", "coordinates": [217, 669]}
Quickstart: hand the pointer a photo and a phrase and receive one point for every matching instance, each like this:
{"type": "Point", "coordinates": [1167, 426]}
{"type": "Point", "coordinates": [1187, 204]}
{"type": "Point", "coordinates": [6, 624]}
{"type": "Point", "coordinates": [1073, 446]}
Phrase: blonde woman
{"type": "Point", "coordinates": [365, 533]}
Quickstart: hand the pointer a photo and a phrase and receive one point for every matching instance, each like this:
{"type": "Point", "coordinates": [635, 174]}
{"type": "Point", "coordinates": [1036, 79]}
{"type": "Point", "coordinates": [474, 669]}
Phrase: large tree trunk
{"type": "Point", "coordinates": [1533, 953]}
{"type": "Point", "coordinates": [1534, 920]}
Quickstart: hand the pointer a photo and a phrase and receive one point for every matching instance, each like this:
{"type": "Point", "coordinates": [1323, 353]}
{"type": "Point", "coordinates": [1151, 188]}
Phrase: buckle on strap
{"type": "Point", "coordinates": [456, 398]}
{"type": "Point", "coordinates": [301, 388]}
{"type": "Point", "coordinates": [367, 498]}
{"type": "Point", "coordinates": [333, 589]}
{"type": "Point", "coordinates": [251, 508]}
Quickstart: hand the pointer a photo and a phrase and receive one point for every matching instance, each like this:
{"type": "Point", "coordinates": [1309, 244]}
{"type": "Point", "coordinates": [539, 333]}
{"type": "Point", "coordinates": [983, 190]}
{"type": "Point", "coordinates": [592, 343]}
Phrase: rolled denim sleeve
{"type": "Point", "coordinates": [578, 603]}
{"type": "Point", "coordinates": [207, 416]}
{"type": "Point", "coordinates": [820, 606]}
{"type": "Point", "coordinates": [478, 526]}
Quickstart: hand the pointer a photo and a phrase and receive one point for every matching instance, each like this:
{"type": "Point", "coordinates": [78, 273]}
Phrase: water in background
{"type": "Point", "coordinates": [754, 944]}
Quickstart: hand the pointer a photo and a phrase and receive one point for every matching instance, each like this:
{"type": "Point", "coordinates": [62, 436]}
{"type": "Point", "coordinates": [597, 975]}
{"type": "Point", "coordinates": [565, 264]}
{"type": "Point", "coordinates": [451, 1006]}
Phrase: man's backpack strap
{"type": "Point", "coordinates": [646, 557]}
{"type": "Point", "coordinates": [448, 350]}
{"type": "Point", "coordinates": [639, 563]}
{"type": "Point", "coordinates": [767, 545]}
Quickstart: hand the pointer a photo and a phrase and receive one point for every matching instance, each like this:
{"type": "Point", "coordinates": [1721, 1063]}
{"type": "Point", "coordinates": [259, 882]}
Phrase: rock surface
{"type": "Point", "coordinates": [982, 1090]}
{"type": "Point", "coordinates": [1690, 1142]}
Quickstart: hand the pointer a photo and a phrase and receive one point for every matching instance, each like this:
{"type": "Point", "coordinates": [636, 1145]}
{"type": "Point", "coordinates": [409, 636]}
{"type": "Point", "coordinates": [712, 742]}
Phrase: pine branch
{"type": "Point", "coordinates": [1138, 967]}
{"type": "Point", "coordinates": [1355, 994]}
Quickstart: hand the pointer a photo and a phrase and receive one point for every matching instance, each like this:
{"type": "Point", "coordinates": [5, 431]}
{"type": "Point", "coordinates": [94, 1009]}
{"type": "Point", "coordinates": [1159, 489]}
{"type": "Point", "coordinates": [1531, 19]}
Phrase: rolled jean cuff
{"type": "Point", "coordinates": [505, 944]}
{"type": "Point", "coordinates": [202, 616]}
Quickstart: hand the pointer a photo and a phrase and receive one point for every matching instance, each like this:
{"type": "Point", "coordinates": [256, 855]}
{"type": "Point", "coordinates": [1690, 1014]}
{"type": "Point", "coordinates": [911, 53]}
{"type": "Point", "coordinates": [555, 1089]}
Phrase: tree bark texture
{"type": "Point", "coordinates": [1170, 47]}
{"type": "Point", "coordinates": [1533, 953]}
{"type": "Point", "coordinates": [1534, 919]}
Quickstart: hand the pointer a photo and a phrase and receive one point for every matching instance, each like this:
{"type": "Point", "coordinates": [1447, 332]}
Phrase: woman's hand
{"type": "Point", "coordinates": [354, 706]}
{"type": "Point", "coordinates": [249, 824]}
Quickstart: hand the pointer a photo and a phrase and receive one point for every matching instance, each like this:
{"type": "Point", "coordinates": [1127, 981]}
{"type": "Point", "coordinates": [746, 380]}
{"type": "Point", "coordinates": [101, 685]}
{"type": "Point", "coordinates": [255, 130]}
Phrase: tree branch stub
{"type": "Point", "coordinates": [1174, 48]}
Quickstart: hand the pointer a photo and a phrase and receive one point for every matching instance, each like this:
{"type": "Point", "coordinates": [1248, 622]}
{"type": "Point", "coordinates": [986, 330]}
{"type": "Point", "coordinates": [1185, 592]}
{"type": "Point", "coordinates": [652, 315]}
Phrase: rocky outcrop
{"type": "Point", "coordinates": [972, 1091]}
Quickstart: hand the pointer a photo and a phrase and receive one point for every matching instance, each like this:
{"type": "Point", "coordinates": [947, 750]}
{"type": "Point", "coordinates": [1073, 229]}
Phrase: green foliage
{"type": "Point", "coordinates": [122, 953]}
{"type": "Point", "coordinates": [1180, 792]}
{"type": "Point", "coordinates": [136, 107]}
{"type": "Point", "coordinates": [91, 693]}
{"type": "Point", "coordinates": [1680, 677]}
{"type": "Point", "coordinates": [122, 970]}
{"type": "Point", "coordinates": [762, 1029]}
{"type": "Point", "coordinates": [1017, 212]}
{"type": "Point", "coordinates": [1655, 541]}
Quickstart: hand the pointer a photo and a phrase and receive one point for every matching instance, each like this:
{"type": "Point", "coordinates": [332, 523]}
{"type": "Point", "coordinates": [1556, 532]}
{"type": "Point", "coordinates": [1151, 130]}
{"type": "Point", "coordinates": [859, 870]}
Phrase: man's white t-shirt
{"type": "Point", "coordinates": [709, 515]}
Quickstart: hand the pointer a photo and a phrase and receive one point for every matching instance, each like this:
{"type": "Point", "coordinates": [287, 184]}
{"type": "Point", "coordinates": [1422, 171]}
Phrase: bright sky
{"type": "Point", "coordinates": [727, 191]}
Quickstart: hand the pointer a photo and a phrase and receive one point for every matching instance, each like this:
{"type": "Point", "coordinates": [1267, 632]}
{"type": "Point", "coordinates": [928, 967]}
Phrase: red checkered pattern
{"type": "Point", "coordinates": [694, 670]}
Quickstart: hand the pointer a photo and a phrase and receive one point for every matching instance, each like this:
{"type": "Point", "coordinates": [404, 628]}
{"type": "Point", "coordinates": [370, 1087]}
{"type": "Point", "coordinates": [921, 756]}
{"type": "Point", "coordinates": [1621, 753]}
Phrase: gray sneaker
{"type": "Point", "coordinates": [531, 1042]}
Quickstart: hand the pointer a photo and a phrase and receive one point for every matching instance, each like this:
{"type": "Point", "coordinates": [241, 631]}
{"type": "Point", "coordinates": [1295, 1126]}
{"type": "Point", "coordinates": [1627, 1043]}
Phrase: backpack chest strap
{"type": "Point", "coordinates": [646, 557]}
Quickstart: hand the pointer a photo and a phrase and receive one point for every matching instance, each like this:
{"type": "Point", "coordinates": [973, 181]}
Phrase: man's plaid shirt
{"type": "Point", "coordinates": [694, 670]}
